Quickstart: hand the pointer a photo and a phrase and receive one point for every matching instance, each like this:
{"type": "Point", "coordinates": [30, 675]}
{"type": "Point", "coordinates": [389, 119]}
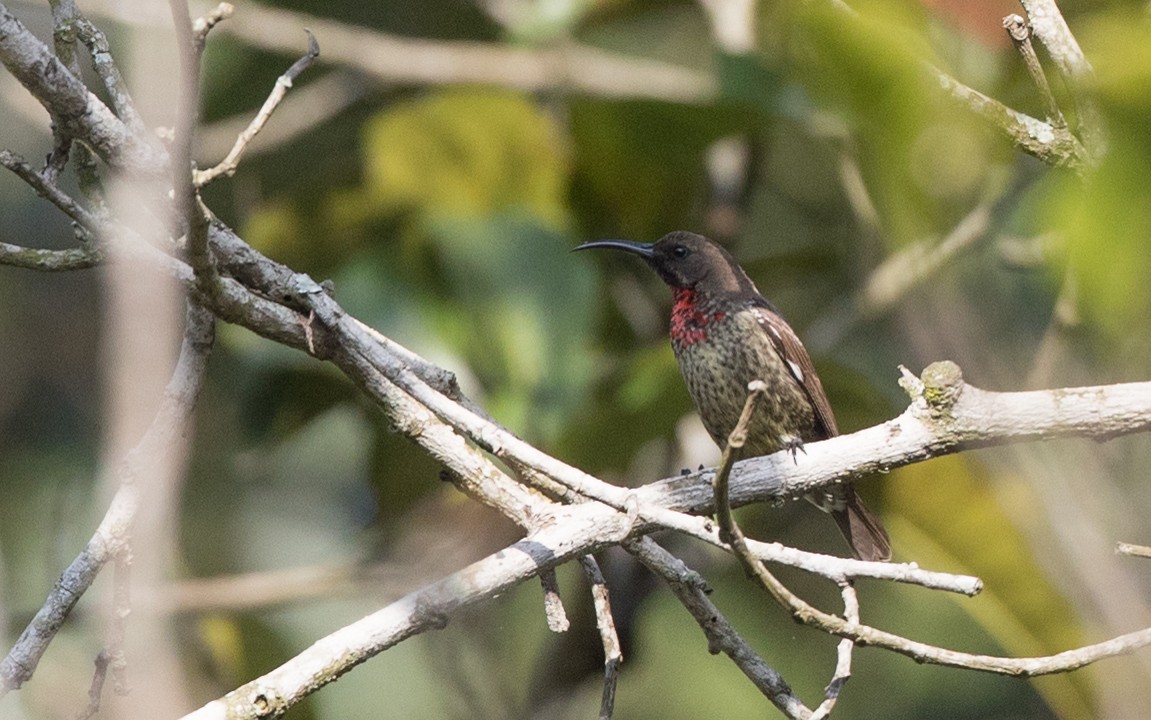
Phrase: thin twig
{"type": "Point", "coordinates": [228, 165]}
{"type": "Point", "coordinates": [203, 25]}
{"type": "Point", "coordinates": [691, 590]}
{"type": "Point", "coordinates": [1140, 551]}
{"type": "Point", "coordinates": [843, 656]}
{"type": "Point", "coordinates": [191, 217]}
{"type": "Point", "coordinates": [613, 654]}
{"type": "Point", "coordinates": [1048, 25]}
{"type": "Point", "coordinates": [304, 109]}
{"type": "Point", "coordinates": [728, 529]}
{"type": "Point", "coordinates": [109, 73]}
{"type": "Point", "coordinates": [96, 689]}
{"type": "Point", "coordinates": [1020, 34]}
{"type": "Point", "coordinates": [1053, 145]}
{"type": "Point", "coordinates": [553, 604]}
{"type": "Point", "coordinates": [48, 190]}
{"type": "Point", "coordinates": [117, 627]}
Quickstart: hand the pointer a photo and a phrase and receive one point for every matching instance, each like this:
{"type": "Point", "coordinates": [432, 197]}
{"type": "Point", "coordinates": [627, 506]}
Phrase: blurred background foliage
{"type": "Point", "coordinates": [444, 215]}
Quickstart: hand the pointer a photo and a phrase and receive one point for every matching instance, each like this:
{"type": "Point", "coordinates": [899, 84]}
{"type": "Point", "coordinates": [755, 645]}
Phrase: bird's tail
{"type": "Point", "coordinates": [863, 530]}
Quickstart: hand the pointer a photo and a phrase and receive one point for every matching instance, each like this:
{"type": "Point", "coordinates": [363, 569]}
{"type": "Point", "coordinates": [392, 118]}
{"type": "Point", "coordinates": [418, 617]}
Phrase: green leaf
{"type": "Point", "coordinates": [467, 152]}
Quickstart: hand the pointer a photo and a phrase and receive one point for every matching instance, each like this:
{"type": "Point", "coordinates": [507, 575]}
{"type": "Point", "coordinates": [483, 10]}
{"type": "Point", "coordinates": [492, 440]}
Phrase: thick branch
{"type": "Point", "coordinates": [66, 98]}
{"type": "Point", "coordinates": [571, 532]}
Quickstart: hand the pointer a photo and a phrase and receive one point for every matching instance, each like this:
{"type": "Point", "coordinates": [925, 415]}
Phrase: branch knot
{"type": "Point", "coordinates": [942, 386]}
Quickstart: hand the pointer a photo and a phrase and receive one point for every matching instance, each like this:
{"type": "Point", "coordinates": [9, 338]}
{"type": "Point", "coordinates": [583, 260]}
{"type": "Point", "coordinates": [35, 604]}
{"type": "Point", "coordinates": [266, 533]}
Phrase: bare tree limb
{"type": "Point", "coordinates": [553, 604]}
{"type": "Point", "coordinates": [569, 532]}
{"type": "Point", "coordinates": [1020, 34]}
{"type": "Point", "coordinates": [228, 165]}
{"type": "Point", "coordinates": [109, 73]}
{"type": "Point", "coordinates": [111, 537]}
{"type": "Point", "coordinates": [64, 96]}
{"type": "Point", "coordinates": [690, 588]}
{"type": "Point", "coordinates": [46, 188]}
{"type": "Point", "coordinates": [1140, 551]}
{"type": "Point", "coordinates": [856, 632]}
{"type": "Point", "coordinates": [1048, 25]}
{"type": "Point", "coordinates": [613, 654]}
{"type": "Point", "coordinates": [28, 258]}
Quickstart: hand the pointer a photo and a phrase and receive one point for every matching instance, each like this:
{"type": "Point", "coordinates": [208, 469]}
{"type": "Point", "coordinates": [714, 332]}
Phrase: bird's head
{"type": "Point", "coordinates": [686, 260]}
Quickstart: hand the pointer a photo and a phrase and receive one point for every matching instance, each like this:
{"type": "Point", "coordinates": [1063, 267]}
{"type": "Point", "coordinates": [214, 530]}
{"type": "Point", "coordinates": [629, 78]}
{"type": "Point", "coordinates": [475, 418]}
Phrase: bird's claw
{"type": "Point", "coordinates": [794, 446]}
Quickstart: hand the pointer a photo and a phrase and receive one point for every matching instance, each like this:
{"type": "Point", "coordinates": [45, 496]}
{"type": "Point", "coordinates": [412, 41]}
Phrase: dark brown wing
{"type": "Point", "coordinates": [798, 363]}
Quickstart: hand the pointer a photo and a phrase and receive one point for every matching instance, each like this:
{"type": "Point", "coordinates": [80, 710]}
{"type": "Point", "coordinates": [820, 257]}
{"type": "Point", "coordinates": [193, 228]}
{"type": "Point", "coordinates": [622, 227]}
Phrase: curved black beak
{"type": "Point", "coordinates": [644, 250]}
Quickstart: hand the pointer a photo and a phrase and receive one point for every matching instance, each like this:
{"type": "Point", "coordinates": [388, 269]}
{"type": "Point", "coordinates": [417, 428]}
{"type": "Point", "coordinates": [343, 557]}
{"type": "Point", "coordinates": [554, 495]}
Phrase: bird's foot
{"type": "Point", "coordinates": [794, 445]}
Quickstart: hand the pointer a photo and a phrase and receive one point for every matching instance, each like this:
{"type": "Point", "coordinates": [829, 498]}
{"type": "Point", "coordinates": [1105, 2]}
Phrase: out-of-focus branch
{"type": "Point", "coordinates": [1020, 34]}
{"type": "Point", "coordinates": [111, 537]}
{"type": "Point", "coordinates": [394, 59]}
{"type": "Point", "coordinates": [900, 273]}
{"type": "Point", "coordinates": [1140, 551]}
{"type": "Point", "coordinates": [1048, 25]}
{"type": "Point", "coordinates": [1056, 146]}
{"type": "Point", "coordinates": [732, 24]}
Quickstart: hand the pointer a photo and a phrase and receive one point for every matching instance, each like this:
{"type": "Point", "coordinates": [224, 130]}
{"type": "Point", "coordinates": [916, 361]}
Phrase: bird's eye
{"type": "Point", "coordinates": [679, 251]}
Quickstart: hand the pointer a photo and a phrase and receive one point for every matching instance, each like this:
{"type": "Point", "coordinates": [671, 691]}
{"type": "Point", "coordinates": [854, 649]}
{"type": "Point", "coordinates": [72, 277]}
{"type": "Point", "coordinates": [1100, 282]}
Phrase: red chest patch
{"type": "Point", "coordinates": [689, 320]}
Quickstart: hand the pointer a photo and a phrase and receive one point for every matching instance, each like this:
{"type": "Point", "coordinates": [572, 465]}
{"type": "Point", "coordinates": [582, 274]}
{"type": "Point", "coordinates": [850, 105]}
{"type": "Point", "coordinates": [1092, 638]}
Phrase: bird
{"type": "Point", "coordinates": [725, 335]}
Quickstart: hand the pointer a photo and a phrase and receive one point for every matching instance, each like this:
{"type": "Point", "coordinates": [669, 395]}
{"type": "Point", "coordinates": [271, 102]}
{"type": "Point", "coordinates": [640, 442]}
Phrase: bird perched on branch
{"type": "Point", "coordinates": [725, 335]}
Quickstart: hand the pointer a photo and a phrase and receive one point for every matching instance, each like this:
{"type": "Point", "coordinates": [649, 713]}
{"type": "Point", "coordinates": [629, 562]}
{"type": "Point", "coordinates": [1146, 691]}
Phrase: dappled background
{"type": "Point", "coordinates": [888, 224]}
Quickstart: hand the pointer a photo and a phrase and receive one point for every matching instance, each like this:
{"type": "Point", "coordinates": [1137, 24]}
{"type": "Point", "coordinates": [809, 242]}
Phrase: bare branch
{"type": "Point", "coordinates": [1053, 145]}
{"type": "Point", "coordinates": [1048, 25]}
{"type": "Point", "coordinates": [1020, 35]}
{"type": "Point", "coordinates": [722, 636]}
{"type": "Point", "coordinates": [111, 537]}
{"type": "Point", "coordinates": [49, 260]}
{"type": "Point", "coordinates": [96, 689]}
{"type": "Point", "coordinates": [1140, 551]}
{"type": "Point", "coordinates": [191, 216]}
{"type": "Point", "coordinates": [843, 655]}
{"type": "Point", "coordinates": [228, 165]}
{"type": "Point", "coordinates": [613, 654]}
{"type": "Point", "coordinates": [394, 59]}
{"type": "Point", "coordinates": [553, 604]}
{"type": "Point", "coordinates": [47, 189]}
{"type": "Point", "coordinates": [304, 109]}
{"type": "Point", "coordinates": [81, 113]}
{"type": "Point", "coordinates": [571, 531]}
{"type": "Point", "coordinates": [109, 73]}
